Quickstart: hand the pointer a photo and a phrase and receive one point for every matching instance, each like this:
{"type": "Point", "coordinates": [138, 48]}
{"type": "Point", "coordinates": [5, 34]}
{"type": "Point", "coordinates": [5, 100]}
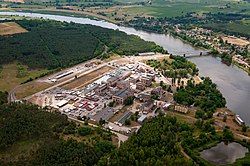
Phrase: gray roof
{"type": "Point", "coordinates": [105, 114]}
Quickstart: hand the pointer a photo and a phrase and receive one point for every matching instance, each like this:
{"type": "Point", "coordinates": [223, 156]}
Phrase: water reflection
{"type": "Point", "coordinates": [224, 154]}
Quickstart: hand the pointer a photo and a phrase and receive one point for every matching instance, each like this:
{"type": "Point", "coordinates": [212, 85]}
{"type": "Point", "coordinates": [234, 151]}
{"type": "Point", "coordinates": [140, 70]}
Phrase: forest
{"type": "Point", "coordinates": [32, 136]}
{"type": "Point", "coordinates": [164, 140]}
{"type": "Point", "coordinates": [51, 44]}
{"type": "Point", "coordinates": [204, 95]}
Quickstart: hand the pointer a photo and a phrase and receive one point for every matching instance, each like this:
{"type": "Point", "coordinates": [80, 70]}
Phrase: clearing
{"type": "Point", "coordinates": [10, 28]}
{"type": "Point", "coordinates": [87, 78]}
{"type": "Point", "coordinates": [15, 1]}
{"type": "Point", "coordinates": [30, 88]}
{"type": "Point", "coordinates": [14, 74]}
{"type": "Point", "coordinates": [235, 41]}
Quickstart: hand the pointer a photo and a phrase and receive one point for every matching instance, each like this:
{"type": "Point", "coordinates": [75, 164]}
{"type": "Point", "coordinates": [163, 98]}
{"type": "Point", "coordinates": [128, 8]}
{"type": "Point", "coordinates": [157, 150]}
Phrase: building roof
{"type": "Point", "coordinates": [122, 93]}
{"type": "Point", "coordinates": [124, 117]}
{"type": "Point", "coordinates": [105, 114]}
{"type": "Point", "coordinates": [142, 118]}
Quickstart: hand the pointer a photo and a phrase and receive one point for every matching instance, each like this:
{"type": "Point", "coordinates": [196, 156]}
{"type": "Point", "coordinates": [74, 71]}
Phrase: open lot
{"type": "Point", "coordinates": [88, 78]}
{"type": "Point", "coordinates": [10, 28]}
{"type": "Point", "coordinates": [235, 41]}
{"type": "Point", "coordinates": [30, 88]}
{"type": "Point", "coordinates": [9, 77]}
{"type": "Point", "coordinates": [15, 1]}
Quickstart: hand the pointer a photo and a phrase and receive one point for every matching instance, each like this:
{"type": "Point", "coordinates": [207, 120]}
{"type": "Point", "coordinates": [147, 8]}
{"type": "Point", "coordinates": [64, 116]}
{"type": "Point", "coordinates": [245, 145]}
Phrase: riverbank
{"type": "Point", "coordinates": [64, 12]}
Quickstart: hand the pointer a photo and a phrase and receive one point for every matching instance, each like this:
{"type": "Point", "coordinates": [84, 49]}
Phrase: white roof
{"type": "Point", "coordinates": [61, 103]}
{"type": "Point", "coordinates": [142, 118]}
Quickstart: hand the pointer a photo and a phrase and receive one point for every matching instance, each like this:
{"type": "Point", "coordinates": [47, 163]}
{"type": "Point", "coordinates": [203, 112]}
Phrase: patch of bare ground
{"type": "Point", "coordinates": [230, 122]}
{"type": "Point", "coordinates": [15, 1]}
{"type": "Point", "coordinates": [87, 78]}
{"type": "Point", "coordinates": [30, 88]}
{"type": "Point", "coordinates": [10, 28]}
{"type": "Point", "coordinates": [235, 41]}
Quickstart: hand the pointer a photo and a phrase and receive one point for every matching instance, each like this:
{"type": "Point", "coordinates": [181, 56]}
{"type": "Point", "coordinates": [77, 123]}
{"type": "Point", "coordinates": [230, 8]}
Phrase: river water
{"type": "Point", "coordinates": [233, 83]}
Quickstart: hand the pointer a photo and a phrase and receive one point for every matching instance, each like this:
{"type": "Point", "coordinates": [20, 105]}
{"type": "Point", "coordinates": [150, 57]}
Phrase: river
{"type": "Point", "coordinates": [233, 83]}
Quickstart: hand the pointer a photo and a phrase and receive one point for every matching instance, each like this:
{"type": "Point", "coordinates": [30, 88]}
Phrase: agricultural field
{"type": "Point", "coordinates": [10, 28]}
{"type": "Point", "coordinates": [239, 27]}
{"type": "Point", "coordinates": [169, 9]}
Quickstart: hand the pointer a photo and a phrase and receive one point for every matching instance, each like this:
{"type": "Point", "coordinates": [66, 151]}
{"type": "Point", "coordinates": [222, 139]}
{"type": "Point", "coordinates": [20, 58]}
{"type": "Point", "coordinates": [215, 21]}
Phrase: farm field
{"type": "Point", "coordinates": [10, 28]}
{"type": "Point", "coordinates": [169, 9]}
{"type": "Point", "coordinates": [240, 27]}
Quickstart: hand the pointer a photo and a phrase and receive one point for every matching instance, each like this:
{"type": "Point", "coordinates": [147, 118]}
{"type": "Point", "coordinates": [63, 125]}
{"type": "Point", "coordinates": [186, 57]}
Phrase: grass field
{"type": "Point", "coordinates": [241, 27]}
{"type": "Point", "coordinates": [22, 149]}
{"type": "Point", "coordinates": [162, 8]}
{"type": "Point", "coordinates": [10, 28]}
{"type": "Point", "coordinates": [30, 88]}
{"type": "Point", "coordinates": [13, 74]}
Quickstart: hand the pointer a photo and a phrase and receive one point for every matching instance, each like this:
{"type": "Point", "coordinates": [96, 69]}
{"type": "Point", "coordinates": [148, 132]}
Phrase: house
{"type": "Point", "coordinates": [134, 78]}
{"type": "Point", "coordinates": [151, 75]}
{"type": "Point", "coordinates": [181, 109]}
{"type": "Point", "coordinates": [120, 96]}
{"type": "Point", "coordinates": [146, 54]}
{"type": "Point", "coordinates": [62, 103]}
{"type": "Point", "coordinates": [104, 114]}
{"type": "Point", "coordinates": [124, 117]}
{"type": "Point", "coordinates": [112, 81]}
{"type": "Point", "coordinates": [124, 75]}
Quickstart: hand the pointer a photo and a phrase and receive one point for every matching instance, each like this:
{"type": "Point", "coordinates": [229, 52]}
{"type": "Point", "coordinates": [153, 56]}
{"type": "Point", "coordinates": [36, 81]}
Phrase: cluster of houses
{"type": "Point", "coordinates": [230, 45]}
